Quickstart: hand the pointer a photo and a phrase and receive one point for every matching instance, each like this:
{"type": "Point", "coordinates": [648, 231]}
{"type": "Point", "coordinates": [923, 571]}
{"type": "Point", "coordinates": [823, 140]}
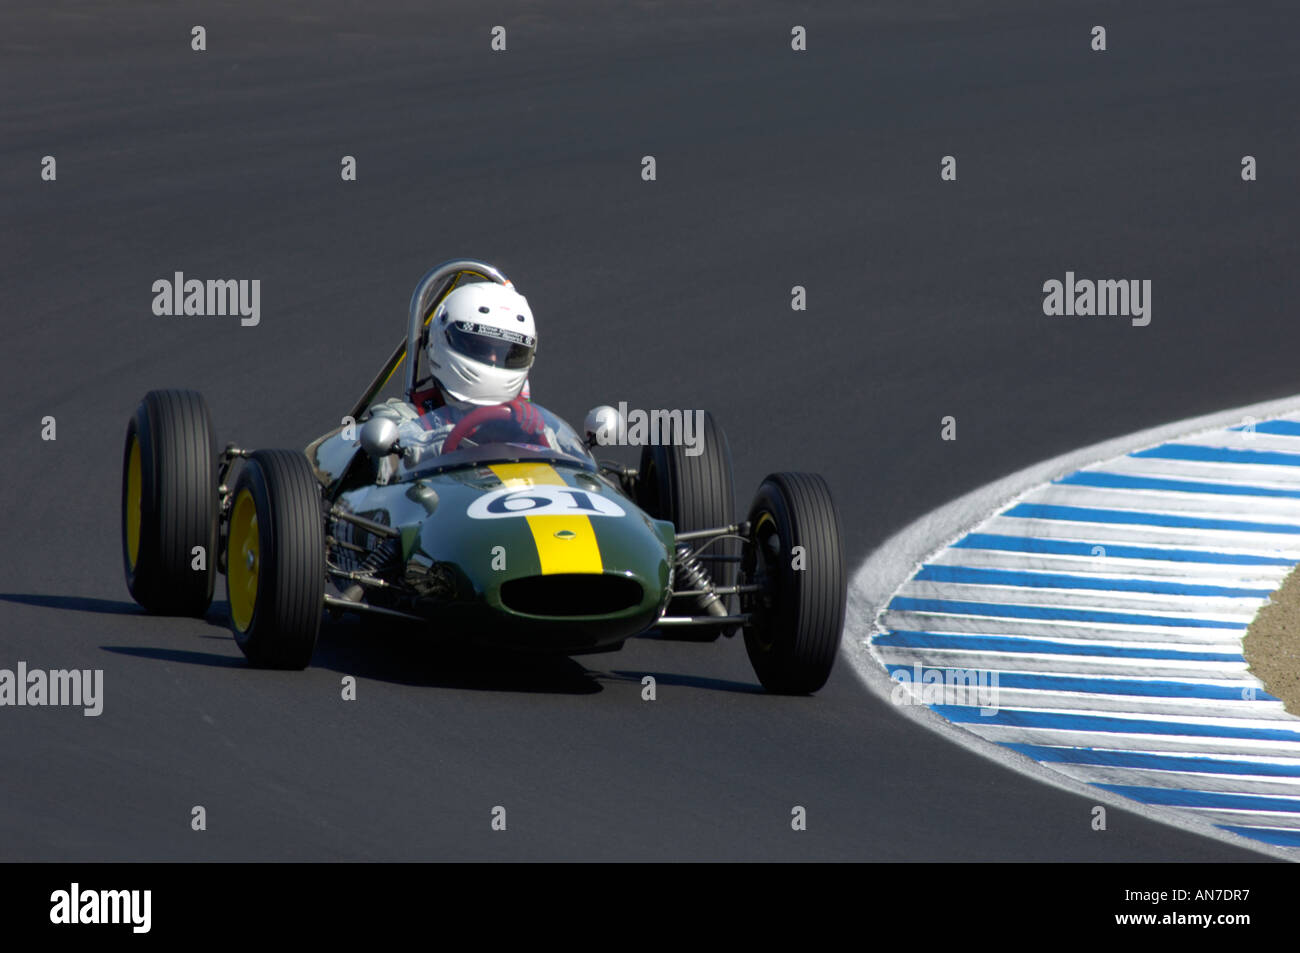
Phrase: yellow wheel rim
{"type": "Point", "coordinates": [761, 525]}
{"type": "Point", "coordinates": [134, 491]}
{"type": "Point", "coordinates": [242, 561]}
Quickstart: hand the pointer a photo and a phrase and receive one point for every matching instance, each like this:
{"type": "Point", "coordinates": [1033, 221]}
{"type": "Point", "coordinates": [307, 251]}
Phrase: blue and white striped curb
{"type": "Point", "coordinates": [1101, 617]}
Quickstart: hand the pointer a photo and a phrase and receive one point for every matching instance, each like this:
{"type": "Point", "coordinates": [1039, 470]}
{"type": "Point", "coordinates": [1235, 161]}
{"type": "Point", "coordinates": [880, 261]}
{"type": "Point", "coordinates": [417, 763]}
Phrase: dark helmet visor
{"type": "Point", "coordinates": [491, 345]}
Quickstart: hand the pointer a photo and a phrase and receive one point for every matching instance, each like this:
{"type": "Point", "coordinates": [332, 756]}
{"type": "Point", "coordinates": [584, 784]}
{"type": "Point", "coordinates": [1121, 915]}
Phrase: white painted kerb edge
{"type": "Point", "coordinates": [887, 569]}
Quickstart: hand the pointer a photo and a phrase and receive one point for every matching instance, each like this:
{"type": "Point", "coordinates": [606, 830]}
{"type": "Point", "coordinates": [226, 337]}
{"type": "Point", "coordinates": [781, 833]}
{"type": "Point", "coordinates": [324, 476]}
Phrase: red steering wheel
{"type": "Point", "coordinates": [525, 414]}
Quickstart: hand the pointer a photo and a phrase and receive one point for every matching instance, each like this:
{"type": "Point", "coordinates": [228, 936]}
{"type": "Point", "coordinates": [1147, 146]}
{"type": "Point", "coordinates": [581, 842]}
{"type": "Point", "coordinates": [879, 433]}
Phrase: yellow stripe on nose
{"type": "Point", "coordinates": [527, 474]}
{"type": "Point", "coordinates": [564, 543]}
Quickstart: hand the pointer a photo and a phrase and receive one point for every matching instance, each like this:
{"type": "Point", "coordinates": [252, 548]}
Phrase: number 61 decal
{"type": "Point", "coordinates": [542, 501]}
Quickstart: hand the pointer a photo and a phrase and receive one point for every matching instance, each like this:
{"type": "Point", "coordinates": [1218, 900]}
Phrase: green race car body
{"type": "Point", "coordinates": [506, 543]}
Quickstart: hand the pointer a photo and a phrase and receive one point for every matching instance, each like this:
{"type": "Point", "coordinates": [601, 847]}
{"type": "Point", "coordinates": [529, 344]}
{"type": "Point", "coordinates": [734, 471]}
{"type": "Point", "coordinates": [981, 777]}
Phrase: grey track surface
{"type": "Point", "coordinates": [775, 169]}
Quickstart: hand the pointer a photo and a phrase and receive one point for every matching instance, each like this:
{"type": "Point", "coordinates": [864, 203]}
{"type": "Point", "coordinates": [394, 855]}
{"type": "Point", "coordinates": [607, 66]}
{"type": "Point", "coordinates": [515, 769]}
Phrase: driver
{"type": "Point", "coordinates": [480, 347]}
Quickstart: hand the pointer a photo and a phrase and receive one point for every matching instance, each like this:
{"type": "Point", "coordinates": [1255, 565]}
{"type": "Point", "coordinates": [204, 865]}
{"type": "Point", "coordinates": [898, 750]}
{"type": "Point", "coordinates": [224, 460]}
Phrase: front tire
{"type": "Point", "coordinates": [693, 492]}
{"type": "Point", "coordinates": [797, 616]}
{"type": "Point", "coordinates": [275, 560]}
{"type": "Point", "coordinates": [169, 503]}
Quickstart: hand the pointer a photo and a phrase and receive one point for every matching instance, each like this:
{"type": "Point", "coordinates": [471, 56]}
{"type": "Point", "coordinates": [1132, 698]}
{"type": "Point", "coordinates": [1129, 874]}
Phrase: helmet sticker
{"type": "Point", "coordinates": [501, 334]}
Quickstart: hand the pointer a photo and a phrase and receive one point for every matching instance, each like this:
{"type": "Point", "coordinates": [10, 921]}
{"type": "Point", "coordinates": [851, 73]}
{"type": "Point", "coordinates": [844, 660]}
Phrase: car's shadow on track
{"type": "Point", "coordinates": [392, 652]}
{"type": "Point", "coordinates": [404, 655]}
{"type": "Point", "coordinates": [215, 615]}
{"type": "Point", "coordinates": [73, 603]}
{"type": "Point", "coordinates": [690, 681]}
{"type": "Point", "coordinates": [405, 658]}
{"type": "Point", "coordinates": [177, 655]}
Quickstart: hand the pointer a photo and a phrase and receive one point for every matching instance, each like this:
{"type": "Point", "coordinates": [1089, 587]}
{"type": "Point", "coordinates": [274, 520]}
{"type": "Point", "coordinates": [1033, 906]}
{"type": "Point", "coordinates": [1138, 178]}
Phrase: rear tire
{"type": "Point", "coordinates": [275, 560]}
{"type": "Point", "coordinates": [169, 503]}
{"type": "Point", "coordinates": [693, 492]}
{"type": "Point", "coordinates": [794, 633]}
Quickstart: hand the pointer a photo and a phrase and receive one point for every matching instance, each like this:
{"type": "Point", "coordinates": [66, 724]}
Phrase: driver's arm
{"type": "Point", "coordinates": [413, 441]}
{"type": "Point", "coordinates": [418, 443]}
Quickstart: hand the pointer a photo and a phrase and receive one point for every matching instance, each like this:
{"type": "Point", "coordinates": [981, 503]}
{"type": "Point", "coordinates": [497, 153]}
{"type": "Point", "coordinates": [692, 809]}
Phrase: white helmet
{"type": "Point", "coordinates": [481, 343]}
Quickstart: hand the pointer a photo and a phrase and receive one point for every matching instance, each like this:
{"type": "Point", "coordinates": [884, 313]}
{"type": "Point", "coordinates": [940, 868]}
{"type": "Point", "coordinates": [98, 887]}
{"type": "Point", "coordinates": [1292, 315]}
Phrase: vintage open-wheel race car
{"type": "Point", "coordinates": [511, 536]}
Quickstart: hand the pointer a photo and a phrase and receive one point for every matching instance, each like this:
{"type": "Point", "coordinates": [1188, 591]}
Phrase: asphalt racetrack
{"type": "Point", "coordinates": [774, 169]}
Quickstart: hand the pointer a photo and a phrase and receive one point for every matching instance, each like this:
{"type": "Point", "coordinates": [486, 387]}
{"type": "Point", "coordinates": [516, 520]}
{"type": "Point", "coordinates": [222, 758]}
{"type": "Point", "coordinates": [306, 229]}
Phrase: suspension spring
{"type": "Point", "coordinates": [693, 575]}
